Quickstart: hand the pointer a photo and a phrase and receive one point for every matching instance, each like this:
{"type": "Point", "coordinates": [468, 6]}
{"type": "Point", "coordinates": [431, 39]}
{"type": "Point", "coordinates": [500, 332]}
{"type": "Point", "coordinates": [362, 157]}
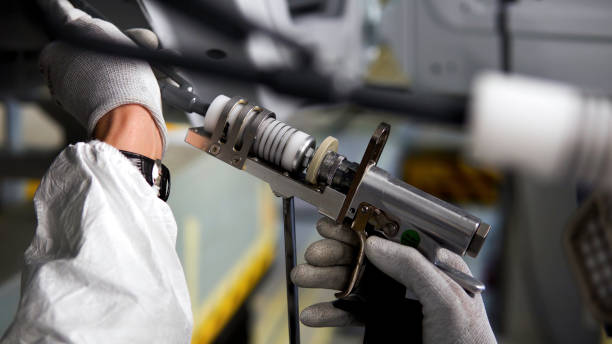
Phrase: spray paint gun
{"type": "Point", "coordinates": [367, 198]}
{"type": "Point", "coordinates": [248, 137]}
{"type": "Point", "coordinates": [372, 201]}
{"type": "Point", "coordinates": [362, 195]}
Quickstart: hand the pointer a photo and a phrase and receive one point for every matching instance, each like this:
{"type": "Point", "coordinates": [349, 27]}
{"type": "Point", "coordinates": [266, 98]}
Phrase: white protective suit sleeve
{"type": "Point", "coordinates": [102, 267]}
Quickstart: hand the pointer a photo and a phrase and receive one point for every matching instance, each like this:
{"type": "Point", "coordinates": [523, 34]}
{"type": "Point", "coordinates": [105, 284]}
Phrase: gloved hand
{"type": "Point", "coordinates": [89, 85]}
{"type": "Point", "coordinates": [450, 315]}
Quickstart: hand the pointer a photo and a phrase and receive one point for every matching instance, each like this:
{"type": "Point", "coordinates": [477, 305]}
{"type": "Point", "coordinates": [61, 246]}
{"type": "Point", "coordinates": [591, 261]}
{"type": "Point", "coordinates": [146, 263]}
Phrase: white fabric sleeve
{"type": "Point", "coordinates": [102, 267]}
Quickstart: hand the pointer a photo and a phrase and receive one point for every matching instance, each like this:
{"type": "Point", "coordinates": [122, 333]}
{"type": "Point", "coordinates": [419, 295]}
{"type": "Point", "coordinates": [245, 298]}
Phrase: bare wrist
{"type": "Point", "coordinates": [130, 128]}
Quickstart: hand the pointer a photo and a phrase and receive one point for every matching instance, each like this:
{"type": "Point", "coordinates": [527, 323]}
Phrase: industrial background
{"type": "Point", "coordinates": [230, 225]}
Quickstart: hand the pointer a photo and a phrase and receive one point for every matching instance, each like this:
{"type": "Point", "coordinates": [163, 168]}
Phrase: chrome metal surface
{"type": "Point", "coordinates": [478, 239]}
{"type": "Point", "coordinates": [229, 149]}
{"type": "Point", "coordinates": [182, 98]}
{"type": "Point", "coordinates": [370, 158]}
{"type": "Point", "coordinates": [328, 201]}
{"type": "Point", "coordinates": [224, 143]}
{"type": "Point", "coordinates": [429, 248]}
{"type": "Point", "coordinates": [383, 224]}
{"type": "Point", "coordinates": [219, 130]}
{"type": "Point", "coordinates": [301, 154]}
{"type": "Point", "coordinates": [412, 208]}
{"type": "Point", "coordinates": [329, 166]}
{"type": "Point", "coordinates": [378, 198]}
{"type": "Point", "coordinates": [466, 281]}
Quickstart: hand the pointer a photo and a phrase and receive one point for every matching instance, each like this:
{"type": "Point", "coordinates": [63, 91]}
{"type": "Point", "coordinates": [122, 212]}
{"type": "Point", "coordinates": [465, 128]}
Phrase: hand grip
{"type": "Point", "coordinates": [379, 302]}
{"type": "Point", "coordinates": [376, 299]}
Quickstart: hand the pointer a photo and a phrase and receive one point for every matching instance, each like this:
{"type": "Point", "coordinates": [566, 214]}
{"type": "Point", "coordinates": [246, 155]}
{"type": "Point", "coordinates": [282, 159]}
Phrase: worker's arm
{"type": "Point", "coordinates": [102, 266]}
{"type": "Point", "coordinates": [130, 128]}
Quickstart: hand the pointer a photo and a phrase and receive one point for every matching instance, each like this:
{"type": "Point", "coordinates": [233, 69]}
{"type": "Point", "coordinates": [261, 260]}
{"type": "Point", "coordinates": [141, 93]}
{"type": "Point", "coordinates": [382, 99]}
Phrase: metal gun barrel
{"type": "Point", "coordinates": [412, 208]}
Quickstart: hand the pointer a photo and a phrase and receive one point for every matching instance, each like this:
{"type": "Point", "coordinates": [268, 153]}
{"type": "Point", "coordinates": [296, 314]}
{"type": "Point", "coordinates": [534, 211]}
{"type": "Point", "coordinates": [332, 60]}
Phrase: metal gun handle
{"type": "Point", "coordinates": [359, 227]}
{"type": "Point", "coordinates": [378, 301]}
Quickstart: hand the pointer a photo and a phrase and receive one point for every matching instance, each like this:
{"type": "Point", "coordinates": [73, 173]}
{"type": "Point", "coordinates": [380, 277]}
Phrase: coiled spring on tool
{"type": "Point", "coordinates": [272, 138]}
{"type": "Point", "coordinates": [275, 142]}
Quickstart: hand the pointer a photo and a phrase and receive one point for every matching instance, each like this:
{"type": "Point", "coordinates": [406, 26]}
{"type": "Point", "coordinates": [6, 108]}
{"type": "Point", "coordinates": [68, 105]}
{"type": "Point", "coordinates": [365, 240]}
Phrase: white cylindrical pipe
{"type": "Point", "coordinates": [523, 123]}
{"type": "Point", "coordinates": [544, 128]}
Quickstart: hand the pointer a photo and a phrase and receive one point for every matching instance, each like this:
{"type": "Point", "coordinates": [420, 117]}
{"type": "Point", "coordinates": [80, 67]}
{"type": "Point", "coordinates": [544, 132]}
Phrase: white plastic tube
{"type": "Point", "coordinates": [544, 128]}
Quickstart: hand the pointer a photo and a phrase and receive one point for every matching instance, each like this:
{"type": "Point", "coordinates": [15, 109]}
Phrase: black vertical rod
{"type": "Point", "coordinates": [292, 292]}
{"type": "Point", "coordinates": [505, 36]}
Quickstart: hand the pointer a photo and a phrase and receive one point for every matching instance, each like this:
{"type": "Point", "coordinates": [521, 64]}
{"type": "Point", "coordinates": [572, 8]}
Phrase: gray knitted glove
{"type": "Point", "coordinates": [89, 85]}
{"type": "Point", "coordinates": [450, 315]}
{"type": "Point", "coordinates": [329, 267]}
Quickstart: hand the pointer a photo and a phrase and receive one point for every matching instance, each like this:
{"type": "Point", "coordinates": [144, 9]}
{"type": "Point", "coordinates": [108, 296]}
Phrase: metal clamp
{"type": "Point", "coordinates": [234, 146]}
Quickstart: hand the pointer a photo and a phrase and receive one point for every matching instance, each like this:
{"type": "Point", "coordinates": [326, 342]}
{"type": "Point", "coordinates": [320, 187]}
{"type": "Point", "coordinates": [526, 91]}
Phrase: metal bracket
{"type": "Point", "coordinates": [232, 147]}
{"type": "Point", "coordinates": [328, 201]}
{"type": "Point", "coordinates": [370, 157]}
{"type": "Point", "coordinates": [365, 211]}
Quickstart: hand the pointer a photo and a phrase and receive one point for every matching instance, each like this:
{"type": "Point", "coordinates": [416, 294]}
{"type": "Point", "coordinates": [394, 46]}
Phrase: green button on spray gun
{"type": "Point", "coordinates": [410, 238]}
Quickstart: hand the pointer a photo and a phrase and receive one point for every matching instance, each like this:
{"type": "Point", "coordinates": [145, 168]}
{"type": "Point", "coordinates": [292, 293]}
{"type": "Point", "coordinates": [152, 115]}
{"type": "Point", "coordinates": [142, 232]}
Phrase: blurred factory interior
{"type": "Point", "coordinates": [230, 239]}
